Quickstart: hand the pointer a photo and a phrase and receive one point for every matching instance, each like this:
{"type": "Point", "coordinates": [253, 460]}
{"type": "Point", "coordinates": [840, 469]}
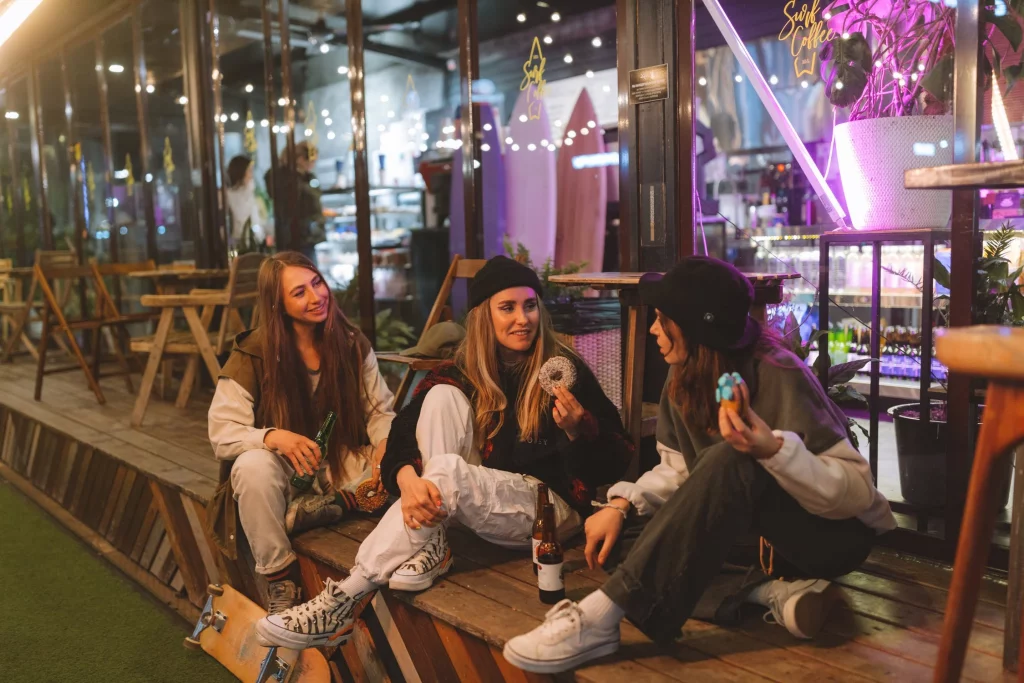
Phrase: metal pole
{"type": "Point", "coordinates": [357, 92]}
{"type": "Point", "coordinates": [270, 99]}
{"type": "Point", "coordinates": [108, 165]}
{"type": "Point", "coordinates": [625, 46]}
{"type": "Point", "coordinates": [686, 214]}
{"type": "Point", "coordinates": [469, 71]}
{"type": "Point", "coordinates": [141, 109]}
{"type": "Point", "coordinates": [967, 100]}
{"type": "Point", "coordinates": [35, 118]}
{"type": "Point", "coordinates": [291, 189]}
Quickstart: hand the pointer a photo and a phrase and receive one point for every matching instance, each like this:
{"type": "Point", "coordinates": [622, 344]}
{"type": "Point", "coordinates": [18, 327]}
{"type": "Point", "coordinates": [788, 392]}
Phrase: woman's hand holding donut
{"type": "Point", "coordinates": [303, 454]}
{"type": "Point", "coordinates": [752, 435]}
{"type": "Point", "coordinates": [568, 412]}
{"type": "Point", "coordinates": [421, 500]}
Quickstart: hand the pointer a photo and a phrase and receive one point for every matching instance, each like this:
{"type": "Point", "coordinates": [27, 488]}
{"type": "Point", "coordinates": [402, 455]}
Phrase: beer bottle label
{"type": "Point", "coordinates": [533, 555]}
{"type": "Point", "coordinates": [549, 577]}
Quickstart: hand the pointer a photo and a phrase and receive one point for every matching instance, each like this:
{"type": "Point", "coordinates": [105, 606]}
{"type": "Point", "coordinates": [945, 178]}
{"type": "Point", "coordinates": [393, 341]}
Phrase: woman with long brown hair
{"type": "Point", "coordinates": [478, 437]}
{"type": "Point", "coordinates": [803, 488]}
{"type": "Point", "coordinates": [302, 361]}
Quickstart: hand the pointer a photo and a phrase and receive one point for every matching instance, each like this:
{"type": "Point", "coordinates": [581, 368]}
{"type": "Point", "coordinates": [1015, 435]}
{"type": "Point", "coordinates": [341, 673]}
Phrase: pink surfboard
{"type": "Point", "coordinates": [582, 192]}
{"type": "Point", "coordinates": [530, 172]}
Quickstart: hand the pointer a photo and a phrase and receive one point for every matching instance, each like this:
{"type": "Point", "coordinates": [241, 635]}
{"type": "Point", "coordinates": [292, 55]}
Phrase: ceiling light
{"type": "Point", "coordinates": [151, 88]}
{"type": "Point", "coordinates": [183, 100]}
{"type": "Point", "coordinates": [12, 115]}
{"type": "Point", "coordinates": [324, 112]}
{"type": "Point", "coordinates": [596, 42]}
{"type": "Point", "coordinates": [342, 69]}
{"type": "Point", "coordinates": [523, 118]}
{"type": "Point", "coordinates": [702, 81]}
{"type": "Point", "coordinates": [515, 148]}
{"type": "Point", "coordinates": [567, 58]}
{"type": "Point", "coordinates": [248, 87]}
{"type": "Point", "coordinates": [485, 147]}
{"type": "Point", "coordinates": [330, 135]}
{"type": "Point", "coordinates": [532, 147]}
{"type": "Point", "coordinates": [521, 18]}
{"type": "Point", "coordinates": [115, 68]}
{"type": "Point", "coordinates": [13, 15]}
{"type": "Point", "coordinates": [328, 121]}
{"type": "Point", "coordinates": [541, 3]}
{"type": "Point", "coordinates": [543, 143]}
{"type": "Point", "coordinates": [571, 133]}
{"type": "Point", "coordinates": [276, 128]}
{"type": "Point", "coordinates": [508, 140]}
{"type": "Point", "coordinates": [383, 98]}
{"type": "Point", "coordinates": [590, 74]}
{"type": "Point", "coordinates": [568, 141]}
{"type": "Point", "coordinates": [308, 131]}
{"type": "Point", "coordinates": [584, 131]}
{"type": "Point", "coordinates": [551, 148]}
{"type": "Point", "coordinates": [264, 123]}
{"type": "Point", "coordinates": [591, 124]}
{"type": "Point", "coordinates": [325, 48]}
{"type": "Point", "coordinates": [739, 79]}
{"type": "Point", "coordinates": [548, 40]}
{"type": "Point", "coordinates": [558, 123]}
{"type": "Point", "coordinates": [234, 116]}
{"type": "Point", "coordinates": [488, 127]}
{"type": "Point", "coordinates": [250, 124]}
{"type": "Point", "coordinates": [607, 88]}
{"type": "Point", "coordinates": [774, 80]}
{"type": "Point", "coordinates": [556, 17]}
{"type": "Point", "coordinates": [804, 84]}
{"type": "Point", "coordinates": [281, 101]}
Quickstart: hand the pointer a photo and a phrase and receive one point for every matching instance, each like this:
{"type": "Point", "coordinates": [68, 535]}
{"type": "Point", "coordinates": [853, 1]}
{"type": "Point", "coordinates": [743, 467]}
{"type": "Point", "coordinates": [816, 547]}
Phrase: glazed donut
{"type": "Point", "coordinates": [728, 392]}
{"type": "Point", "coordinates": [557, 371]}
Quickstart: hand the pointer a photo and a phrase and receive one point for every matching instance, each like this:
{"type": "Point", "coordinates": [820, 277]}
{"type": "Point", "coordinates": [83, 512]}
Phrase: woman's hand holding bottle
{"type": "Point", "coordinates": [303, 454]}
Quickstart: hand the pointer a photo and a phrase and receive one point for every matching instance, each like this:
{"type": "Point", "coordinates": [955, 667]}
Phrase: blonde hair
{"type": "Point", "coordinates": [477, 359]}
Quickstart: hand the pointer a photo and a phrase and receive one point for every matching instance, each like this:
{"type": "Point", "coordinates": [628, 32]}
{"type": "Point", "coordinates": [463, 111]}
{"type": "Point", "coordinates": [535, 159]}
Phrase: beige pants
{"type": "Point", "coordinates": [498, 506]}
{"type": "Point", "coordinates": [260, 479]}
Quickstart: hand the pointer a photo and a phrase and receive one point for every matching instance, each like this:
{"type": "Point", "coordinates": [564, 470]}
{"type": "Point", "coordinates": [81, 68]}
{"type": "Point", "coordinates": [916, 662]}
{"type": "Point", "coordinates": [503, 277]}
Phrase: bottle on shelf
{"type": "Point", "coordinates": [550, 581]}
{"type": "Point", "coordinates": [303, 482]}
{"type": "Point", "coordinates": [538, 521]}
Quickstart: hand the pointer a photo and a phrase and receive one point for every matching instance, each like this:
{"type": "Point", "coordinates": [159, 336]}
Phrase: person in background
{"type": "Point", "coordinates": [784, 469]}
{"type": "Point", "coordinates": [244, 206]}
{"type": "Point", "coordinates": [473, 444]}
{"type": "Point", "coordinates": [307, 211]}
{"type": "Point", "coordinates": [282, 378]}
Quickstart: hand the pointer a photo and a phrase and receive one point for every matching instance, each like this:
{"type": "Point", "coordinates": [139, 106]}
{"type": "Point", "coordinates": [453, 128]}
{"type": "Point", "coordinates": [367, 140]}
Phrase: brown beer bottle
{"type": "Point", "coordinates": [549, 561]}
{"type": "Point", "coordinates": [538, 521]}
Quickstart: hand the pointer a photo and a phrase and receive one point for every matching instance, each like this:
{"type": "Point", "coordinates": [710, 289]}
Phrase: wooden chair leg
{"type": "Point", "coordinates": [163, 329]}
{"type": "Point", "coordinates": [202, 338]}
{"type": "Point", "coordinates": [188, 382]}
{"type": "Point", "coordinates": [41, 358]}
{"type": "Point", "coordinates": [122, 360]}
{"type": "Point", "coordinates": [97, 351]}
{"type": "Point", "coordinates": [1003, 427]}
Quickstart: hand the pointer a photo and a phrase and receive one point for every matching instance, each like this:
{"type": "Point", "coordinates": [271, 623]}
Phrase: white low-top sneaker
{"type": "Point", "coordinates": [801, 606]}
{"type": "Point", "coordinates": [564, 641]}
{"type": "Point", "coordinates": [433, 560]}
{"type": "Point", "coordinates": [326, 620]}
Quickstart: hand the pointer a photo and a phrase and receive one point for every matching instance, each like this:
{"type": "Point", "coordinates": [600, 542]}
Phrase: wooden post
{"type": "Point", "coordinates": [469, 71]}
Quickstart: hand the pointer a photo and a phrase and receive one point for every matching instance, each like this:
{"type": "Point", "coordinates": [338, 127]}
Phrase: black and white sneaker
{"type": "Point", "coordinates": [433, 560]}
{"type": "Point", "coordinates": [326, 620]}
{"type": "Point", "coordinates": [306, 512]}
{"type": "Point", "coordinates": [282, 595]}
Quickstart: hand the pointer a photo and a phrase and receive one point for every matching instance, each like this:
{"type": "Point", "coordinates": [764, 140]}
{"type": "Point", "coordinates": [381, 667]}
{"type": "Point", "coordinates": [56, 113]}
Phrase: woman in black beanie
{"type": "Point", "coordinates": [777, 463]}
{"type": "Point", "coordinates": [473, 444]}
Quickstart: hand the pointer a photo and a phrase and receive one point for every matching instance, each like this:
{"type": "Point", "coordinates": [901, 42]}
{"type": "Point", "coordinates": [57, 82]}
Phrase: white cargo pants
{"type": "Point", "coordinates": [498, 506]}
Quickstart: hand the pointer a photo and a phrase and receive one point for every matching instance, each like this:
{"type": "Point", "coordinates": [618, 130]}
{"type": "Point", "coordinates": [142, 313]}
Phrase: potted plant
{"type": "Point", "coordinates": [591, 325]}
{"type": "Point", "coordinates": [898, 85]}
{"type": "Point", "coordinates": [921, 446]}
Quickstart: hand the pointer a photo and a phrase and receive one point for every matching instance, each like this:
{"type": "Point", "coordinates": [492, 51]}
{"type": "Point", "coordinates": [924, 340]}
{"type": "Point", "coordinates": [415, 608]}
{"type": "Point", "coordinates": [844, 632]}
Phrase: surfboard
{"type": "Point", "coordinates": [530, 169]}
{"type": "Point", "coordinates": [582, 192]}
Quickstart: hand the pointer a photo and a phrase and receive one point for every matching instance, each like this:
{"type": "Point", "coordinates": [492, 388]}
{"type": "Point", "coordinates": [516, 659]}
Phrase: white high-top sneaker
{"type": "Point", "coordinates": [800, 606]}
{"type": "Point", "coordinates": [433, 560]}
{"type": "Point", "coordinates": [326, 620]}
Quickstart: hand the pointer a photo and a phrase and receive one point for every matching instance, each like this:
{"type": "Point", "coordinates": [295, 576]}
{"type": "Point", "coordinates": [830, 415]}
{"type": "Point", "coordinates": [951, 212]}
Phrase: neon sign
{"type": "Point", "coordinates": [805, 33]}
{"type": "Point", "coordinates": [533, 80]}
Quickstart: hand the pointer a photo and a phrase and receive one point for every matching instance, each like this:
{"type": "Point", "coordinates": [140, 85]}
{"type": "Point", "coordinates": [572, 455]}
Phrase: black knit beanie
{"type": "Point", "coordinates": [498, 274]}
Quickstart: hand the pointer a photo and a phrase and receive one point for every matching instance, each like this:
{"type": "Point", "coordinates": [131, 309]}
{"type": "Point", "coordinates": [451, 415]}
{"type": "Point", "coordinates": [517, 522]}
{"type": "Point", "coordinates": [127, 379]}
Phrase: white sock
{"type": "Point", "coordinates": [759, 595]}
{"type": "Point", "coordinates": [357, 586]}
{"type": "Point", "coordinates": [601, 611]}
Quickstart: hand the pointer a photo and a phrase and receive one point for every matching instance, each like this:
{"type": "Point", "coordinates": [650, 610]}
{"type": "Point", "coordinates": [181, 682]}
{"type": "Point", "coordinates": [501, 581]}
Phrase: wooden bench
{"type": "Point", "coordinates": [137, 496]}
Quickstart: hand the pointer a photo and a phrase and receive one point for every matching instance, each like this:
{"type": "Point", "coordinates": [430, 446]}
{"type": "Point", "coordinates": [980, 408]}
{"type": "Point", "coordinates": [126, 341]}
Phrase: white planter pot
{"type": "Point", "coordinates": [874, 153]}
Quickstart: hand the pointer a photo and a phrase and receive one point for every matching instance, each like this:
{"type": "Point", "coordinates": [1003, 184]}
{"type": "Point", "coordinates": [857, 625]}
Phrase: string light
{"type": "Point", "coordinates": [248, 87]}
{"type": "Point", "coordinates": [532, 147]}
{"type": "Point", "coordinates": [488, 127]}
{"type": "Point", "coordinates": [548, 40]}
{"type": "Point", "coordinates": [328, 121]}
{"type": "Point", "coordinates": [774, 80]}
{"type": "Point", "coordinates": [521, 18]}
{"type": "Point", "coordinates": [556, 17]}
{"type": "Point", "coordinates": [523, 118]}
{"type": "Point", "coordinates": [567, 58]}
{"type": "Point", "coordinates": [739, 79]}
{"type": "Point", "coordinates": [804, 84]}
{"type": "Point", "coordinates": [596, 42]}
{"type": "Point", "coordinates": [702, 81]}
{"type": "Point", "coordinates": [571, 133]}
{"type": "Point", "coordinates": [485, 147]}
{"type": "Point", "coordinates": [590, 74]}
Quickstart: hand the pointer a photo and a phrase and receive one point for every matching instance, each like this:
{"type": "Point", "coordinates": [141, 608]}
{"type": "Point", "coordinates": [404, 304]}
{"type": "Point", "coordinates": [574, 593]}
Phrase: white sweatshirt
{"type": "Point", "coordinates": [834, 483]}
{"type": "Point", "coordinates": [232, 420]}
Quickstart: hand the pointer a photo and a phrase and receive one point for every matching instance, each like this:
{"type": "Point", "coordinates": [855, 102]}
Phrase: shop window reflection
{"type": "Point", "coordinates": [24, 183]}
{"type": "Point", "coordinates": [54, 153]}
{"type": "Point", "coordinates": [90, 156]}
{"type": "Point", "coordinates": [10, 234]}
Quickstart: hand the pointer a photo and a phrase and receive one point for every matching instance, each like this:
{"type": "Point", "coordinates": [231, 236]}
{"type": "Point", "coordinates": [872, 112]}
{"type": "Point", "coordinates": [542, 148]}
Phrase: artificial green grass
{"type": "Point", "coordinates": [66, 615]}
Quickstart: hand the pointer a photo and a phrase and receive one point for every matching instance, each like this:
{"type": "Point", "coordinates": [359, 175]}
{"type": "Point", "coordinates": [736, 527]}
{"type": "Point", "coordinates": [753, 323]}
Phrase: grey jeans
{"type": "Point", "coordinates": [261, 482]}
{"type": "Point", "coordinates": [671, 561]}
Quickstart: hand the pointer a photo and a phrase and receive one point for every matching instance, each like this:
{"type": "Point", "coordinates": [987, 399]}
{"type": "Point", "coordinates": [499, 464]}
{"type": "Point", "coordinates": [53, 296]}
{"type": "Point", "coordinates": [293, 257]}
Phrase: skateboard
{"type": "Point", "coordinates": [226, 630]}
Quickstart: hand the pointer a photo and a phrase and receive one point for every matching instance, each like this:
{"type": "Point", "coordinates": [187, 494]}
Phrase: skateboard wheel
{"type": "Point", "coordinates": [191, 643]}
{"type": "Point", "coordinates": [215, 589]}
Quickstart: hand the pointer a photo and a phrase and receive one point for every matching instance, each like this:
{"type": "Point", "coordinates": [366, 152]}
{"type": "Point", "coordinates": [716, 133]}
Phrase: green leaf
{"type": "Point", "coordinates": [1011, 75]}
{"type": "Point", "coordinates": [1010, 27]}
{"type": "Point", "coordinates": [845, 395]}
{"type": "Point", "coordinates": [1017, 306]}
{"type": "Point", "coordinates": [844, 372]}
{"type": "Point", "coordinates": [941, 273]}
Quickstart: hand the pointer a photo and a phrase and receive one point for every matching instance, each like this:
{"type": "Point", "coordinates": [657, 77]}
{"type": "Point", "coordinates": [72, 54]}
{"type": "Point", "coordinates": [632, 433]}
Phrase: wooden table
{"type": "Point", "coordinates": [639, 418]}
{"type": "Point", "coordinates": [172, 281]}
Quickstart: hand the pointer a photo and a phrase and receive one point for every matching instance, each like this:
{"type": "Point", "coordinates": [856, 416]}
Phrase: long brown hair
{"type": "Point", "coordinates": [692, 383]}
{"type": "Point", "coordinates": [477, 359]}
{"type": "Point", "coordinates": [287, 391]}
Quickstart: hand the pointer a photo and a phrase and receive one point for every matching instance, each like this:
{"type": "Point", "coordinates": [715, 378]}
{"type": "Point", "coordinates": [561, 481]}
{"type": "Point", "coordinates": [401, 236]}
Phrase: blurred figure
{"type": "Point", "coordinates": [244, 206]}
{"type": "Point", "coordinates": [306, 211]}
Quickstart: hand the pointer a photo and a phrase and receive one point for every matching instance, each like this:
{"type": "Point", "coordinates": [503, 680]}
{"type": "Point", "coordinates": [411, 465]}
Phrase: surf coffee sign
{"type": "Point", "coordinates": [805, 30]}
{"type": "Point", "coordinates": [533, 80]}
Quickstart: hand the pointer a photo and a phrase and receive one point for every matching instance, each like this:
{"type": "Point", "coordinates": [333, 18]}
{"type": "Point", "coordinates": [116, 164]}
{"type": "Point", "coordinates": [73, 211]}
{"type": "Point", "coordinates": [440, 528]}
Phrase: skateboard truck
{"type": "Point", "coordinates": [207, 619]}
{"type": "Point", "coordinates": [273, 668]}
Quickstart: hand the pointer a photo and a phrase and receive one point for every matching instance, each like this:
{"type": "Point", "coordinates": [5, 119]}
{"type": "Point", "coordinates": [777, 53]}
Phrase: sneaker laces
{"type": "Point", "coordinates": [429, 555]}
{"type": "Point", "coordinates": [331, 601]}
{"type": "Point", "coordinates": [561, 620]}
{"type": "Point", "coordinates": [281, 595]}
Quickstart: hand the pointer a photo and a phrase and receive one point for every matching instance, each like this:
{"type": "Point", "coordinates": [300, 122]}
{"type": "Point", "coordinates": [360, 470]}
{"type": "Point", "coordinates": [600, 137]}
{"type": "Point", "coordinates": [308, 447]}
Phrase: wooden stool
{"type": "Point", "coordinates": [997, 354]}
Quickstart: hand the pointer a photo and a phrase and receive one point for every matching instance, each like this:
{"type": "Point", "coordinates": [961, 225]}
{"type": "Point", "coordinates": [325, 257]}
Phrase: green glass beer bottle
{"type": "Point", "coordinates": [304, 482]}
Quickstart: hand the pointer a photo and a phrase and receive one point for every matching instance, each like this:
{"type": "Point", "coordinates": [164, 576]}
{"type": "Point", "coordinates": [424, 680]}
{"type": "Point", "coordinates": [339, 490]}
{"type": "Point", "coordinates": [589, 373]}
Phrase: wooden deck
{"type": "Point", "coordinates": [137, 497]}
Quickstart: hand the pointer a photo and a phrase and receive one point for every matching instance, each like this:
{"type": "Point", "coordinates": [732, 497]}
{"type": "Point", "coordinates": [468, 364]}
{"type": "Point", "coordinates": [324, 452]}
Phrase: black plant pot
{"type": "Point", "coordinates": [921, 452]}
